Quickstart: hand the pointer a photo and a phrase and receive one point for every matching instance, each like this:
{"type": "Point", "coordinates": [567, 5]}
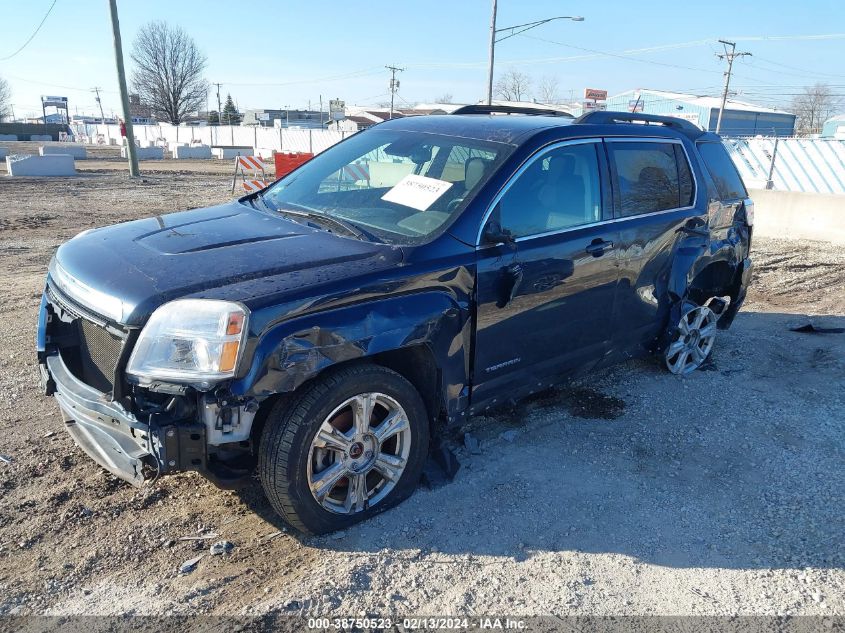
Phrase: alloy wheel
{"type": "Point", "coordinates": [359, 453]}
{"type": "Point", "coordinates": [692, 342]}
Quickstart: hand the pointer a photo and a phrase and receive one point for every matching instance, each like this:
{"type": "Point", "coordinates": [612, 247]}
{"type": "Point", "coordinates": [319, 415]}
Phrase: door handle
{"type": "Point", "coordinates": [597, 247]}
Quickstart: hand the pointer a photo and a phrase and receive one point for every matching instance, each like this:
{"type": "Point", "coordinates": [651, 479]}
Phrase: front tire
{"type": "Point", "coordinates": [350, 445]}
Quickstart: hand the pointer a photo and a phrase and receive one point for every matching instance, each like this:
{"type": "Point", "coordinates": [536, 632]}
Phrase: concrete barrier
{"type": "Point", "coordinates": [797, 215]}
{"type": "Point", "coordinates": [8, 137]}
{"type": "Point", "coordinates": [228, 153]}
{"type": "Point", "coordinates": [77, 151]}
{"type": "Point", "coordinates": [54, 165]}
{"type": "Point", "coordinates": [192, 151]}
{"type": "Point", "coordinates": [145, 153]}
{"type": "Point", "coordinates": [3, 153]}
{"type": "Point", "coordinates": [265, 152]}
{"type": "Point", "coordinates": [40, 137]}
{"type": "Point", "coordinates": [171, 147]}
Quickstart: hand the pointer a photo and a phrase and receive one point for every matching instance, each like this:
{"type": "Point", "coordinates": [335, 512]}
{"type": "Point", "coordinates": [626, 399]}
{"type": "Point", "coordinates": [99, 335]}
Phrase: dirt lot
{"type": "Point", "coordinates": [631, 492]}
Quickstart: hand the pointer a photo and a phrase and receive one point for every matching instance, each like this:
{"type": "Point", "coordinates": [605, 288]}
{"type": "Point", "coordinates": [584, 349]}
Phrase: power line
{"type": "Point", "coordinates": [778, 38]}
{"type": "Point", "coordinates": [803, 71]}
{"type": "Point", "coordinates": [34, 33]}
{"type": "Point", "coordinates": [621, 55]}
{"type": "Point", "coordinates": [351, 75]}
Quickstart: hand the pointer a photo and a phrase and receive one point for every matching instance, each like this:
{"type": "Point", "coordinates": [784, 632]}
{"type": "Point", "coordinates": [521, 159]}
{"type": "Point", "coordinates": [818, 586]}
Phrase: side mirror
{"type": "Point", "coordinates": [495, 234]}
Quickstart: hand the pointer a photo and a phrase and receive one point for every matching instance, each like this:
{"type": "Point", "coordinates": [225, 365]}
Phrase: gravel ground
{"type": "Point", "coordinates": [629, 492]}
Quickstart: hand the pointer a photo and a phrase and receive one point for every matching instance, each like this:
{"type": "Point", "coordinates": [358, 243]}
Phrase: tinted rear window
{"type": "Point", "coordinates": [650, 177]}
{"type": "Point", "coordinates": [722, 170]}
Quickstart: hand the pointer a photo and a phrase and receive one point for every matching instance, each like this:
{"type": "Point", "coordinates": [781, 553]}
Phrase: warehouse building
{"type": "Point", "coordinates": [739, 119]}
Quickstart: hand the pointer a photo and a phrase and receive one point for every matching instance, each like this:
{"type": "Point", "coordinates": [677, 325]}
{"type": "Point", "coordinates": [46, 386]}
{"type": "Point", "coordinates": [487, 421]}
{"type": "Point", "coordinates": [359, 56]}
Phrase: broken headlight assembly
{"type": "Point", "coordinates": [197, 342]}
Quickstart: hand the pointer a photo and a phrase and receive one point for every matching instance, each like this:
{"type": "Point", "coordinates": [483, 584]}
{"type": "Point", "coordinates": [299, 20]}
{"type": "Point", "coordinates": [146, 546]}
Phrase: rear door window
{"type": "Point", "coordinates": [650, 177]}
{"type": "Point", "coordinates": [723, 171]}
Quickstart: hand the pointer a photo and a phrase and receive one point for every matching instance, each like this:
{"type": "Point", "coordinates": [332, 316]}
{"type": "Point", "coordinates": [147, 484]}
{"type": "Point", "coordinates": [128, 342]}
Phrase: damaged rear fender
{"type": "Point", "coordinates": [295, 351]}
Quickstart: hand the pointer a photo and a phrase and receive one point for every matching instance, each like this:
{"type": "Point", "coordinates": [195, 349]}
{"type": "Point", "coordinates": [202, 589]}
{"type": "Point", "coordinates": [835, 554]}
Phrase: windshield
{"type": "Point", "coordinates": [397, 186]}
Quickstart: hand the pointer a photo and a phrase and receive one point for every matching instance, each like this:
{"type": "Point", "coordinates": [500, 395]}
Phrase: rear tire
{"type": "Point", "coordinates": [351, 444]}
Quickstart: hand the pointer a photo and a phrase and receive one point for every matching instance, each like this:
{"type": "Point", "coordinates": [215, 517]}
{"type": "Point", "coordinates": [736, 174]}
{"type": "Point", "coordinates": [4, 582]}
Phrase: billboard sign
{"type": "Point", "coordinates": [590, 106]}
{"type": "Point", "coordinates": [56, 102]}
{"type": "Point", "coordinates": [595, 94]}
{"type": "Point", "coordinates": [337, 109]}
{"type": "Point", "coordinates": [693, 117]}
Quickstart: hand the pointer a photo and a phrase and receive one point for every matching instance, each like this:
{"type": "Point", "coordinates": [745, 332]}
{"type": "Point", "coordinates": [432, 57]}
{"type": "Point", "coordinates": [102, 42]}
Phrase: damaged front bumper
{"type": "Point", "coordinates": [129, 448]}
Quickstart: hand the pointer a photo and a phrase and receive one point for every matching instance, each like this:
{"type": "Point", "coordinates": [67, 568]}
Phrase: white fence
{"type": "Point", "coordinates": [814, 165]}
{"type": "Point", "coordinates": [279, 139]}
{"type": "Point", "coordinates": [791, 164]}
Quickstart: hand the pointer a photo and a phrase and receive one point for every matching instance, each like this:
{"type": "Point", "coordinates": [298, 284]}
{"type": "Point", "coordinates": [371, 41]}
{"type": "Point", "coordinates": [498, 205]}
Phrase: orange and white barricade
{"type": "Point", "coordinates": [357, 172]}
{"type": "Point", "coordinates": [253, 173]}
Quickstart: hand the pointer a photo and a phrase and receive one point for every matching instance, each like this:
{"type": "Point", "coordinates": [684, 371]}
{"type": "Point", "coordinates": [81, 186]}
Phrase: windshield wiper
{"type": "Point", "coordinates": [259, 196]}
{"type": "Point", "coordinates": [324, 219]}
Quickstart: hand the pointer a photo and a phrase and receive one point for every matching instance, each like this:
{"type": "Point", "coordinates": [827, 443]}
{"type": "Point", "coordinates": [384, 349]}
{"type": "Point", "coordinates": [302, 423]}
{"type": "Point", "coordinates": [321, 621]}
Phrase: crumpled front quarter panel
{"type": "Point", "coordinates": [430, 308]}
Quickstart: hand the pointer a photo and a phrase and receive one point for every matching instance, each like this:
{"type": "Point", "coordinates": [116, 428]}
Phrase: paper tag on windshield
{"type": "Point", "coordinates": [417, 192]}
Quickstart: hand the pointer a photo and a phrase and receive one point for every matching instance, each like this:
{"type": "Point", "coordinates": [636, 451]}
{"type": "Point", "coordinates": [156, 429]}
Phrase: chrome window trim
{"type": "Point", "coordinates": [608, 139]}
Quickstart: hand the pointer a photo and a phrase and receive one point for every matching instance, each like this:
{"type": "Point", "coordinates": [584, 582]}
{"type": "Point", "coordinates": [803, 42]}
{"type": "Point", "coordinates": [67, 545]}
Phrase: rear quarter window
{"type": "Point", "coordinates": [723, 171]}
{"type": "Point", "coordinates": [650, 177]}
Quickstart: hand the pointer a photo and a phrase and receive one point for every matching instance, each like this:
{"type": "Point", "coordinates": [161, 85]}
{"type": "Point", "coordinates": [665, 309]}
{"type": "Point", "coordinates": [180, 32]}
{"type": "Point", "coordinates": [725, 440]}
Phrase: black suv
{"type": "Point", "coordinates": [326, 329]}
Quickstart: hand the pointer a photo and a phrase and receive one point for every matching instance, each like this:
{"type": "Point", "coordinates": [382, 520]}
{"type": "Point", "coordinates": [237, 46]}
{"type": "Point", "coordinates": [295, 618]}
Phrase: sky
{"type": "Point", "coordinates": [289, 54]}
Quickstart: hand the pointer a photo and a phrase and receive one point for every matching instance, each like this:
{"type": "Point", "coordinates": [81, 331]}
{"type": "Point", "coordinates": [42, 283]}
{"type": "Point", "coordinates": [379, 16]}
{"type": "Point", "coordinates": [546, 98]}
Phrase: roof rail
{"type": "Point", "coordinates": [601, 117]}
{"type": "Point", "coordinates": [503, 109]}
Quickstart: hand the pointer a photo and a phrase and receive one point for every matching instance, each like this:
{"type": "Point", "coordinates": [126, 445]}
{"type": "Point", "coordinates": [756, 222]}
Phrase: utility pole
{"type": "Point", "coordinates": [730, 57]}
{"type": "Point", "coordinates": [394, 85]}
{"type": "Point", "coordinates": [219, 107]}
{"type": "Point", "coordinates": [134, 172]}
{"type": "Point", "coordinates": [99, 103]}
{"type": "Point", "coordinates": [492, 55]}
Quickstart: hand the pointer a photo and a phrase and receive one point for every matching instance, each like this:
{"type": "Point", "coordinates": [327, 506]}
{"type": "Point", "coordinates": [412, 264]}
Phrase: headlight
{"type": "Point", "coordinates": [193, 341]}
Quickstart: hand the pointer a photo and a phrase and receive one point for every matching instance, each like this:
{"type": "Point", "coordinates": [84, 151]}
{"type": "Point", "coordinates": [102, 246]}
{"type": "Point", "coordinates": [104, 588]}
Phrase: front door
{"type": "Point", "coordinates": [545, 301]}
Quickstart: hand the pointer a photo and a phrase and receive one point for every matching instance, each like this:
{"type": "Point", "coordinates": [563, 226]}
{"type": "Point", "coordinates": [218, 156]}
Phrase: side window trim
{"type": "Point", "coordinates": [614, 175]}
{"type": "Point", "coordinates": [538, 155]}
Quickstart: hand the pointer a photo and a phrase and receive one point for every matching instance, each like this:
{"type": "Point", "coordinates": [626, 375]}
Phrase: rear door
{"type": "Point", "coordinates": [654, 198]}
{"type": "Point", "coordinates": [545, 302]}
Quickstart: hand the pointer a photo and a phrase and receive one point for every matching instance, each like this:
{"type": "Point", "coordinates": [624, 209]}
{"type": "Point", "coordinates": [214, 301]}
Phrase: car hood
{"type": "Point", "coordinates": [126, 271]}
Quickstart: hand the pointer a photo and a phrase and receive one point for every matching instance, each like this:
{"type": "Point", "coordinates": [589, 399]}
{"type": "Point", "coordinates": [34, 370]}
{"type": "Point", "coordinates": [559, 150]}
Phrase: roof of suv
{"type": "Point", "coordinates": [514, 127]}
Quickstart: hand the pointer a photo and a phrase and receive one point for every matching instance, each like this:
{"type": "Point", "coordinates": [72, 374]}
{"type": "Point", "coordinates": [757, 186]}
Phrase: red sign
{"type": "Point", "coordinates": [595, 95]}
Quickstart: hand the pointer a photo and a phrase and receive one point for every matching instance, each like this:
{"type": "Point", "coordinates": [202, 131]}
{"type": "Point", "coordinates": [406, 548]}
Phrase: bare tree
{"type": "Point", "coordinates": [5, 98]}
{"type": "Point", "coordinates": [513, 86]}
{"type": "Point", "coordinates": [547, 90]}
{"type": "Point", "coordinates": [814, 107]}
{"type": "Point", "coordinates": [444, 98]}
{"type": "Point", "coordinates": [168, 72]}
